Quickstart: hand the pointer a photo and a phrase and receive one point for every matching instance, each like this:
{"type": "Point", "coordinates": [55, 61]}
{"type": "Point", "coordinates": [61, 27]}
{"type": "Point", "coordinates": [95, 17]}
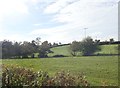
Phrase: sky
{"type": "Point", "coordinates": [58, 20]}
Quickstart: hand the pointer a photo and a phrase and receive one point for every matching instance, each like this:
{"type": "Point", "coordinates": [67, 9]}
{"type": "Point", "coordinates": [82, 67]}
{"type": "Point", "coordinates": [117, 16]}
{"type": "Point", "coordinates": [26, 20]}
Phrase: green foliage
{"type": "Point", "coordinates": [44, 49]}
{"type": "Point", "coordinates": [111, 40]}
{"type": "Point", "coordinates": [66, 79]}
{"type": "Point", "coordinates": [18, 76]}
{"type": "Point", "coordinates": [74, 48]}
{"type": "Point", "coordinates": [18, 49]}
{"type": "Point", "coordinates": [88, 46]}
{"type": "Point", "coordinates": [24, 49]}
{"type": "Point", "coordinates": [7, 49]}
{"type": "Point", "coordinates": [27, 49]}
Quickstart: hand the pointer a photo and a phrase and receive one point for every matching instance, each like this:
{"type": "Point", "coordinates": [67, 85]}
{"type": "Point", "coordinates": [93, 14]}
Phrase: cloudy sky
{"type": "Point", "coordinates": [58, 20]}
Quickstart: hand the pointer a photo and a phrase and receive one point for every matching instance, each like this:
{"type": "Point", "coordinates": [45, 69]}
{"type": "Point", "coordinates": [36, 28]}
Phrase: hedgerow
{"type": "Point", "coordinates": [20, 76]}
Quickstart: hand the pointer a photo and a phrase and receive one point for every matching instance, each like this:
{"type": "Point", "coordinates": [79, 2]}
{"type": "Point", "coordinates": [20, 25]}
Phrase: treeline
{"type": "Point", "coordinates": [39, 49]}
{"type": "Point", "coordinates": [108, 42]}
{"type": "Point", "coordinates": [25, 49]}
{"type": "Point", "coordinates": [111, 41]}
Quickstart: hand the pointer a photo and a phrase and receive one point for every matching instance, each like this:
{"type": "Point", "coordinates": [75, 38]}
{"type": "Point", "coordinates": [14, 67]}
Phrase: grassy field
{"type": "Point", "coordinates": [64, 50]}
{"type": "Point", "coordinates": [97, 68]}
{"type": "Point", "coordinates": [109, 49]}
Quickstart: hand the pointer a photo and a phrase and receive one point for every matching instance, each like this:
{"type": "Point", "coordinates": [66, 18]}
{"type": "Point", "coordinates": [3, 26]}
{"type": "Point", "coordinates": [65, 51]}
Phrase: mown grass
{"type": "Point", "coordinates": [98, 69]}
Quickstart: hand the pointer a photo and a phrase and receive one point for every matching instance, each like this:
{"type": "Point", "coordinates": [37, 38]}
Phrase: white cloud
{"type": "Point", "coordinates": [64, 33]}
{"type": "Point", "coordinates": [83, 13]}
{"type": "Point", "coordinates": [77, 14]}
{"type": "Point", "coordinates": [15, 37]}
{"type": "Point", "coordinates": [41, 1]}
{"type": "Point", "coordinates": [58, 5]}
{"type": "Point", "coordinates": [12, 7]}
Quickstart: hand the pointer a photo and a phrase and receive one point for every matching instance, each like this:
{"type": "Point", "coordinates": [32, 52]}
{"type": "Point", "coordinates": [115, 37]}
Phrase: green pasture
{"type": "Point", "coordinates": [108, 49]}
{"type": "Point", "coordinates": [64, 50]}
{"type": "Point", "coordinates": [61, 50]}
{"type": "Point", "coordinates": [97, 69]}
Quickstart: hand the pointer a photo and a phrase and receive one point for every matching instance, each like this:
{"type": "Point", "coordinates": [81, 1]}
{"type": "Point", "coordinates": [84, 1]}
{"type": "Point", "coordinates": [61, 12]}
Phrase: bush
{"type": "Point", "coordinates": [18, 76]}
{"type": "Point", "coordinates": [66, 79]}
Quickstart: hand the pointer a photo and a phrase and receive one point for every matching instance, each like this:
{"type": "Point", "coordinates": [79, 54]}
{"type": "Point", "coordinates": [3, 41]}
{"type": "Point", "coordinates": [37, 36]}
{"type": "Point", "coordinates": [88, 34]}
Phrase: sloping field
{"type": "Point", "coordinates": [109, 49]}
{"type": "Point", "coordinates": [64, 50]}
{"type": "Point", "coordinates": [61, 50]}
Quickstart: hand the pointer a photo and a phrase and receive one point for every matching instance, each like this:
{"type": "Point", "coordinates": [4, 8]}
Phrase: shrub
{"type": "Point", "coordinates": [66, 79]}
{"type": "Point", "coordinates": [19, 76]}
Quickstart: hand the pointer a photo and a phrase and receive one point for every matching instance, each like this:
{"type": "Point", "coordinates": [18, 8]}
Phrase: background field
{"type": "Point", "coordinates": [108, 49]}
{"type": "Point", "coordinates": [105, 49]}
{"type": "Point", "coordinates": [97, 69]}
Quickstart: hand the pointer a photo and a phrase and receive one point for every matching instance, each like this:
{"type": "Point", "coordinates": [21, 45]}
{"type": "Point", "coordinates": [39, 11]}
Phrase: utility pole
{"type": "Point", "coordinates": [85, 31]}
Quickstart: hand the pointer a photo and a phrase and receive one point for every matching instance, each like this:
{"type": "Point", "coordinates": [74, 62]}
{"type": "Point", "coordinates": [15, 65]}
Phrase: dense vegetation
{"type": "Point", "coordinates": [19, 76]}
{"type": "Point", "coordinates": [87, 47]}
{"type": "Point", "coordinates": [24, 49]}
{"type": "Point", "coordinates": [30, 49]}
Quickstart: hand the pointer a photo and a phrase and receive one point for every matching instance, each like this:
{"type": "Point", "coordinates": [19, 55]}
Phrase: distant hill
{"type": "Point", "coordinates": [64, 50]}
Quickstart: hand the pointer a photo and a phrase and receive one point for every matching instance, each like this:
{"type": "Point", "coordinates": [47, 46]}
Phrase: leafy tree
{"type": "Point", "coordinates": [35, 48]}
{"type": "Point", "coordinates": [60, 43]}
{"type": "Point", "coordinates": [74, 48]}
{"type": "Point", "coordinates": [38, 41]}
{"type": "Point", "coordinates": [17, 49]}
{"type": "Point", "coordinates": [111, 40]}
{"type": "Point", "coordinates": [44, 49]}
{"type": "Point", "coordinates": [97, 41]}
{"type": "Point", "coordinates": [55, 44]}
{"type": "Point", "coordinates": [7, 49]}
{"type": "Point", "coordinates": [20, 49]}
{"type": "Point", "coordinates": [26, 49]}
{"type": "Point", "coordinates": [50, 44]}
{"type": "Point", "coordinates": [88, 46]}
